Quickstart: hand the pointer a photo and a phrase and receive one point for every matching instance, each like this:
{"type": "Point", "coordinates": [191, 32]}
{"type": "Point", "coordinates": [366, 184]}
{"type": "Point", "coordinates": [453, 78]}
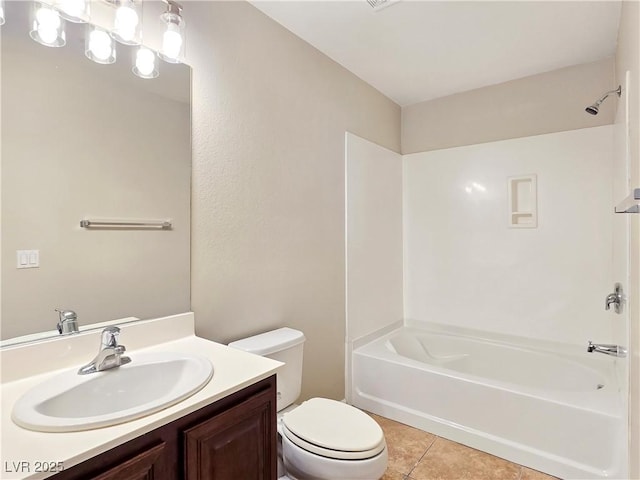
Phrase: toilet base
{"type": "Point", "coordinates": [302, 465]}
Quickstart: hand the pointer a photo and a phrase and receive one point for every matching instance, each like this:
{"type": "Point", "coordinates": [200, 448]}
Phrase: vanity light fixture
{"type": "Point", "coordinates": [172, 49]}
{"type": "Point", "coordinates": [126, 25]}
{"type": "Point", "coordinates": [76, 11]}
{"type": "Point", "coordinates": [47, 28]}
{"type": "Point", "coordinates": [1, 12]}
{"type": "Point", "coordinates": [99, 46]}
{"type": "Point", "coordinates": [146, 63]}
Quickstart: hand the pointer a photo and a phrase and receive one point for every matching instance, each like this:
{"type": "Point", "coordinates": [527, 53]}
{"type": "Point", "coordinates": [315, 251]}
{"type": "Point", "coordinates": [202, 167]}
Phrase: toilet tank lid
{"type": "Point", "coordinates": [270, 342]}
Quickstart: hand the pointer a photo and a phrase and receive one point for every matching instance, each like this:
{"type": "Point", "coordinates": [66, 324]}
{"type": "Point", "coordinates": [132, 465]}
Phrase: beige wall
{"type": "Point", "coordinates": [628, 59]}
{"type": "Point", "coordinates": [268, 204]}
{"type": "Point", "coordinates": [545, 103]}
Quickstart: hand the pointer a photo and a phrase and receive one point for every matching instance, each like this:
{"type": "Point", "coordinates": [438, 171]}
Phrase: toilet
{"type": "Point", "coordinates": [321, 439]}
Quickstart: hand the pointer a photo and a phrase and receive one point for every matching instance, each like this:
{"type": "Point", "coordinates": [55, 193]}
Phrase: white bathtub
{"type": "Point", "coordinates": [550, 407]}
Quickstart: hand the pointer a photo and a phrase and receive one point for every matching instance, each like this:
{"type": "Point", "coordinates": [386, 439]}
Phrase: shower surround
{"type": "Point", "coordinates": [464, 268]}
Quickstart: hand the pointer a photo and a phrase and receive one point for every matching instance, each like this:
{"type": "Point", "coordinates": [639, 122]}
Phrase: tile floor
{"type": "Point", "coordinates": [418, 455]}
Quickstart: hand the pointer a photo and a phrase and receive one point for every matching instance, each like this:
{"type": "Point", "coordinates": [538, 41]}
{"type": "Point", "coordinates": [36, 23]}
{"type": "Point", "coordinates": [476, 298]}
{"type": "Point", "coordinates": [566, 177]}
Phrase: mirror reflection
{"type": "Point", "coordinates": [82, 140]}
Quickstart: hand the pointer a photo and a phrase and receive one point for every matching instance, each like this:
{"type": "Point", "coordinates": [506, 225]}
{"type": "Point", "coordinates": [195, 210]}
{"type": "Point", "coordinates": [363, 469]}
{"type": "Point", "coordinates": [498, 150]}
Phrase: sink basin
{"type": "Point", "coordinates": [152, 381]}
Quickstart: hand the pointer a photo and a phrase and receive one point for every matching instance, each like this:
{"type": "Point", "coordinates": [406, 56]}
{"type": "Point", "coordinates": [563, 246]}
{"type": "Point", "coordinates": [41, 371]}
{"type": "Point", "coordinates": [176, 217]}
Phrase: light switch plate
{"type": "Point", "coordinates": [27, 258]}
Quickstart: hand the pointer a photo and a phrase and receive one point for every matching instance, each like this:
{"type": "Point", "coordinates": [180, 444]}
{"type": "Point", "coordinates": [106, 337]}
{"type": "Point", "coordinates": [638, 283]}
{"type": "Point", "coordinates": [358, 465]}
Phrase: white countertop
{"type": "Point", "coordinates": [23, 451]}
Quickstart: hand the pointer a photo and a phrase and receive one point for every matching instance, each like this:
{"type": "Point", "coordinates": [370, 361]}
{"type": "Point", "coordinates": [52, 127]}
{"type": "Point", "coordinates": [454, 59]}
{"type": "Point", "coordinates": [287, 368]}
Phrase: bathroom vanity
{"type": "Point", "coordinates": [233, 438]}
{"type": "Point", "coordinates": [224, 431]}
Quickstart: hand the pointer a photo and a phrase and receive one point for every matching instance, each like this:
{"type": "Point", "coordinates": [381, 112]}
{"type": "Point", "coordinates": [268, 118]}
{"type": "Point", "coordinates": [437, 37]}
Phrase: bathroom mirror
{"type": "Point", "coordinates": [82, 141]}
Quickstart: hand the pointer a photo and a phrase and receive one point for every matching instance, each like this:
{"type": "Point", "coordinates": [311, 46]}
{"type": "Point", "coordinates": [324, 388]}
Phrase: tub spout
{"type": "Point", "coordinates": [607, 349]}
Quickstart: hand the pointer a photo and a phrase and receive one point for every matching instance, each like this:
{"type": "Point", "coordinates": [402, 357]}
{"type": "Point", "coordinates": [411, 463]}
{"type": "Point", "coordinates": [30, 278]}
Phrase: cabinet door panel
{"type": "Point", "coordinates": [236, 444]}
{"type": "Point", "coordinates": [143, 466]}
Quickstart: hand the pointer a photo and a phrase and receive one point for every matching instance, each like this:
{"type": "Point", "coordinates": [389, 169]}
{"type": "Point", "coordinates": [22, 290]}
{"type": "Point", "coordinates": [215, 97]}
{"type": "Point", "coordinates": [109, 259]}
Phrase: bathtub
{"type": "Point", "coordinates": [554, 408]}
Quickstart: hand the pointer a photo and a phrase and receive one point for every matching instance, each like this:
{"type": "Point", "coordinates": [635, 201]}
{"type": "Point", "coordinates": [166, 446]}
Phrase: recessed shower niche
{"type": "Point", "coordinates": [523, 212]}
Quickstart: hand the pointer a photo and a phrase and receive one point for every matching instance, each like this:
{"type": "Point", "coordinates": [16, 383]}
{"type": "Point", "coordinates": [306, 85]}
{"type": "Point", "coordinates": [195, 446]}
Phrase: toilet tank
{"type": "Point", "coordinates": [285, 345]}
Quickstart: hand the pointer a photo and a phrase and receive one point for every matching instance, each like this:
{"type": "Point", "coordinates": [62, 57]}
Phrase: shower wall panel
{"type": "Point", "coordinates": [464, 266]}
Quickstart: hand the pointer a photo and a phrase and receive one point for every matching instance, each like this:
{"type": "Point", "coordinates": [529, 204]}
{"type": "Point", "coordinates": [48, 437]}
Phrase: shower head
{"type": "Point", "coordinates": [595, 108]}
{"type": "Point", "coordinates": [592, 109]}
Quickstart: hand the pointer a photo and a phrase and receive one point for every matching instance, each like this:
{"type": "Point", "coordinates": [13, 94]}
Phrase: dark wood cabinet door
{"type": "Point", "coordinates": [235, 444]}
{"type": "Point", "coordinates": [144, 466]}
{"type": "Point", "coordinates": [148, 464]}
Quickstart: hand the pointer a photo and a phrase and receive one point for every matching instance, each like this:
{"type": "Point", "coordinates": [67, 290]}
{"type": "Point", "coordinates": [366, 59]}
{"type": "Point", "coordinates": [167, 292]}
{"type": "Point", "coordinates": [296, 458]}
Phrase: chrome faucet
{"type": "Point", "coordinates": [607, 349]}
{"type": "Point", "coordinates": [110, 353]}
{"type": "Point", "coordinates": [614, 298]}
{"type": "Point", "coordinates": [68, 322]}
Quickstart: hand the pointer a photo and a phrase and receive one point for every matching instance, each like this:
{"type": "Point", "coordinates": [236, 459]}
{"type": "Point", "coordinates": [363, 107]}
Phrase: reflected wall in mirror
{"type": "Point", "coordinates": [83, 140]}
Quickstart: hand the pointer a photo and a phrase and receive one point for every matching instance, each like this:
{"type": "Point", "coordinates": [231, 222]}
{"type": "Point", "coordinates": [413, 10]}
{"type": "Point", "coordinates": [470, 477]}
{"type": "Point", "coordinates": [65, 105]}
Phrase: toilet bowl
{"type": "Point", "coordinates": [321, 439]}
{"type": "Point", "coordinates": [327, 439]}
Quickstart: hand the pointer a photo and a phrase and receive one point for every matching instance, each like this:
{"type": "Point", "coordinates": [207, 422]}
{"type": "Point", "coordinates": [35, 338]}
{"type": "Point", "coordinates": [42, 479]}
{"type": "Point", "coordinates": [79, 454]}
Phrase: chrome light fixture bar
{"type": "Point", "coordinates": [172, 49]}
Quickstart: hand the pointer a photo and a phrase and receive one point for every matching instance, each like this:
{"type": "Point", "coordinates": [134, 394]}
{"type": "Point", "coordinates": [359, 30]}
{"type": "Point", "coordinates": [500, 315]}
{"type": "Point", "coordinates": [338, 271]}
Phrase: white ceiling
{"type": "Point", "coordinates": [414, 51]}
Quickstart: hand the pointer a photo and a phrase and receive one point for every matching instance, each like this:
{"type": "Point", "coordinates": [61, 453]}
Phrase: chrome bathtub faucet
{"type": "Point", "coordinates": [68, 322]}
{"type": "Point", "coordinates": [607, 349]}
{"type": "Point", "coordinates": [110, 353]}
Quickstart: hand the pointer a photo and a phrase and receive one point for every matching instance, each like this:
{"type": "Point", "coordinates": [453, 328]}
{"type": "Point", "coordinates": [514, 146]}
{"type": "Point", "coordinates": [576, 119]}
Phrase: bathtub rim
{"type": "Point", "coordinates": [608, 402]}
{"type": "Point", "coordinates": [501, 447]}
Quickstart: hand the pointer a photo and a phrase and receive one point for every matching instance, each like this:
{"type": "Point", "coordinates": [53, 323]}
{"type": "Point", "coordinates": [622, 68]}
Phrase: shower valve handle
{"type": "Point", "coordinates": [614, 298]}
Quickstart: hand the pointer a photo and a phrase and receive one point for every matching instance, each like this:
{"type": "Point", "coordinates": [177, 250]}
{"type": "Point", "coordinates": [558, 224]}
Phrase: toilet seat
{"type": "Point", "coordinates": [333, 429]}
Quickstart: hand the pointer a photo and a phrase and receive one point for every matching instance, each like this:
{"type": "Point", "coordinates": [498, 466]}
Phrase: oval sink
{"type": "Point", "coordinates": [152, 381]}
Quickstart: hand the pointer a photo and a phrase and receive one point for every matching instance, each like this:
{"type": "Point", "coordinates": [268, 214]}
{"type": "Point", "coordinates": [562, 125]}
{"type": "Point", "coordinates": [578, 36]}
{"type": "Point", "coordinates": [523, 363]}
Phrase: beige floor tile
{"type": "Point", "coordinates": [448, 460]}
{"type": "Point", "coordinates": [406, 444]}
{"type": "Point", "coordinates": [393, 475]}
{"type": "Point", "coordinates": [528, 474]}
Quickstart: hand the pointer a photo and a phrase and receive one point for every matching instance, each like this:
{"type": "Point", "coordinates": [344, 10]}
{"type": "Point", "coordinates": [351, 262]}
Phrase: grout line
{"type": "Point", "coordinates": [435, 439]}
{"type": "Point", "coordinates": [423, 455]}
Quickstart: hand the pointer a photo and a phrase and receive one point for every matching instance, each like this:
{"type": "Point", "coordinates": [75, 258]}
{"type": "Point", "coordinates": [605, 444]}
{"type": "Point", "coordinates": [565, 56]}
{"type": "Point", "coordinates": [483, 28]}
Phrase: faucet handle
{"type": "Point", "coordinates": [110, 337]}
{"type": "Point", "coordinates": [68, 322]}
{"type": "Point", "coordinates": [616, 298]}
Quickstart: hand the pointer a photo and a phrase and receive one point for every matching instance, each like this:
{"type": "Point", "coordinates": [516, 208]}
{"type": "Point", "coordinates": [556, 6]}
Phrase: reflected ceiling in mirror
{"type": "Point", "coordinates": [84, 140]}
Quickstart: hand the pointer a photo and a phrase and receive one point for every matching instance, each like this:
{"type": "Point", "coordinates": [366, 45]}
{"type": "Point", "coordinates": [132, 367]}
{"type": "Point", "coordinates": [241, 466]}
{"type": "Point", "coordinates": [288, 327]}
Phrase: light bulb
{"type": "Point", "coordinates": [126, 23]}
{"type": "Point", "coordinates": [1, 12]}
{"type": "Point", "coordinates": [48, 27]}
{"type": "Point", "coordinates": [172, 42]}
{"type": "Point", "coordinates": [99, 46]}
{"type": "Point", "coordinates": [47, 35]}
{"type": "Point", "coordinates": [47, 18]}
{"type": "Point", "coordinates": [145, 63]}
